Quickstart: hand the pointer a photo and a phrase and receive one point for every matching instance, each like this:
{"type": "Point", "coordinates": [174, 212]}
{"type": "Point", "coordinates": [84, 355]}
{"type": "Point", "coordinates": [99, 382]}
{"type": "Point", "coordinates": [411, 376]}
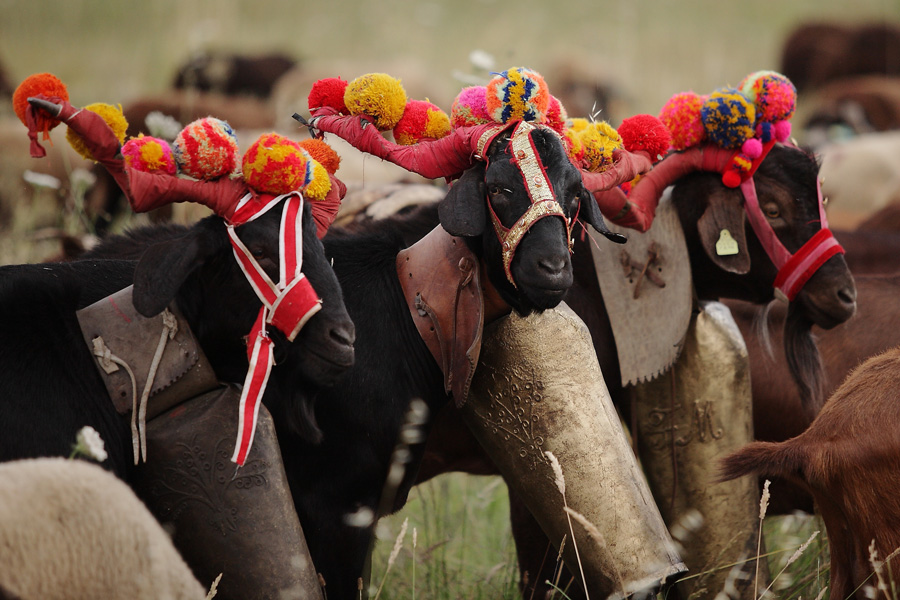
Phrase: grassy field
{"type": "Point", "coordinates": [457, 542]}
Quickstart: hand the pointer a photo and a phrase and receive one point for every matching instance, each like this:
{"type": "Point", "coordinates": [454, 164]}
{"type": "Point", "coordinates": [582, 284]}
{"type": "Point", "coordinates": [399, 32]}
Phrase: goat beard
{"type": "Point", "coordinates": [804, 360]}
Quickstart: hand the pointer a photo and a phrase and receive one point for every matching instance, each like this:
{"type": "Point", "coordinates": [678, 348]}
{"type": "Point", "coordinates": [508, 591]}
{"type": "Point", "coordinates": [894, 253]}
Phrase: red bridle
{"type": "Point", "coordinates": [794, 270]}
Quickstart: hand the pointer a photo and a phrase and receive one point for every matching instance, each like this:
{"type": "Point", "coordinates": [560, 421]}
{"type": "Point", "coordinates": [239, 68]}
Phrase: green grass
{"type": "Point", "coordinates": [463, 548]}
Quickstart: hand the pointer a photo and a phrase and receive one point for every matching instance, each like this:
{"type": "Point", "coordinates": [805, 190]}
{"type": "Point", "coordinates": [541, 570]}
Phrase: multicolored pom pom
{"type": "Point", "coordinates": [773, 95]}
{"type": "Point", "coordinates": [421, 120]}
{"type": "Point", "coordinates": [681, 116]}
{"type": "Point", "coordinates": [645, 133]}
{"type": "Point", "coordinates": [517, 94]}
{"type": "Point", "coordinates": [470, 107]}
{"type": "Point", "coordinates": [40, 84]}
{"type": "Point", "coordinates": [322, 153]}
{"type": "Point", "coordinates": [556, 116]}
{"type": "Point", "coordinates": [206, 149]}
{"type": "Point", "coordinates": [376, 95]}
{"type": "Point", "coordinates": [149, 154]}
{"type": "Point", "coordinates": [599, 140]}
{"type": "Point", "coordinates": [328, 92]}
{"type": "Point", "coordinates": [729, 118]}
{"type": "Point", "coordinates": [113, 116]}
{"type": "Point", "coordinates": [274, 164]}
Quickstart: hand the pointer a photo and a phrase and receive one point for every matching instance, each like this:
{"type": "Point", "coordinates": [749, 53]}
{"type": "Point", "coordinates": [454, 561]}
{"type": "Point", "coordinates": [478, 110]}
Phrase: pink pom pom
{"type": "Point", "coordinates": [149, 154]}
{"type": "Point", "coordinates": [647, 133]}
{"type": "Point", "coordinates": [752, 148]}
{"type": "Point", "coordinates": [556, 116]}
{"type": "Point", "coordinates": [681, 116]}
{"type": "Point", "coordinates": [782, 130]}
{"type": "Point", "coordinates": [470, 107]}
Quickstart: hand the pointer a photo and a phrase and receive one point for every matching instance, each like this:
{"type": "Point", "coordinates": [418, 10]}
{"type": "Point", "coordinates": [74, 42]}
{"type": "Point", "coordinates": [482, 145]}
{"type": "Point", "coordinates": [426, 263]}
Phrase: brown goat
{"type": "Point", "coordinates": [849, 460]}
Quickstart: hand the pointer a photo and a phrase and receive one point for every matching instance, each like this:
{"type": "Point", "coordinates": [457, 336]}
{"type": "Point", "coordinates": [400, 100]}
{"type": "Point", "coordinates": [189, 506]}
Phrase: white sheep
{"type": "Point", "coordinates": [71, 530]}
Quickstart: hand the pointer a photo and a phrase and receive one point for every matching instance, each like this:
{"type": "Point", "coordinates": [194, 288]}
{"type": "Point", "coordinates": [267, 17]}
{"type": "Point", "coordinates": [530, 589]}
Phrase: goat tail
{"type": "Point", "coordinates": [770, 459]}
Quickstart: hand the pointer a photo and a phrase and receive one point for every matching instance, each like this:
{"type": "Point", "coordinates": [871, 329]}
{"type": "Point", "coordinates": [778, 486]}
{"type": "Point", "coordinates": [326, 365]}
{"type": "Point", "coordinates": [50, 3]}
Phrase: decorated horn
{"type": "Point", "coordinates": [674, 166]}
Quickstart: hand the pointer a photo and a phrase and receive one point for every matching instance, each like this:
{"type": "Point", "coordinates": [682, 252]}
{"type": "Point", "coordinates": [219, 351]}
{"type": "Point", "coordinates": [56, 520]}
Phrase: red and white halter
{"type": "Point", "coordinates": [287, 305]}
{"type": "Point", "coordinates": [794, 270]}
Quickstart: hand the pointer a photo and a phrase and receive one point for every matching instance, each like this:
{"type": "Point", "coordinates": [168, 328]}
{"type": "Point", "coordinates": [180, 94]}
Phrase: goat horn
{"type": "Point", "coordinates": [674, 166]}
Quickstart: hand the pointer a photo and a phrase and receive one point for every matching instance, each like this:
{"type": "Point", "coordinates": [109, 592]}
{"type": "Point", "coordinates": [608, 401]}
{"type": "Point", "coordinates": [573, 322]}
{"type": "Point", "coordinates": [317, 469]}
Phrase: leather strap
{"type": "Point", "coordinates": [441, 281]}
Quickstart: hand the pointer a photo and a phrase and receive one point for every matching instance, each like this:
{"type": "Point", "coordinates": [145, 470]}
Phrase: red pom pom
{"type": "Point", "coordinates": [731, 178]}
{"type": "Point", "coordinates": [328, 92]}
{"type": "Point", "coordinates": [41, 84]}
{"type": "Point", "coordinates": [647, 133]}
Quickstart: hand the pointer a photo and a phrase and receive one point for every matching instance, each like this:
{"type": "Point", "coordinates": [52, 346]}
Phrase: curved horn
{"type": "Point", "coordinates": [674, 166]}
{"type": "Point", "coordinates": [626, 167]}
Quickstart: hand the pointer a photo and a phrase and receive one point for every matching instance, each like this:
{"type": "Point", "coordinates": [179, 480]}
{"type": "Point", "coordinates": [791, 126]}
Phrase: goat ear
{"type": "Point", "coordinates": [162, 269]}
{"type": "Point", "coordinates": [462, 211]}
{"type": "Point", "coordinates": [590, 212]}
{"type": "Point", "coordinates": [721, 229]}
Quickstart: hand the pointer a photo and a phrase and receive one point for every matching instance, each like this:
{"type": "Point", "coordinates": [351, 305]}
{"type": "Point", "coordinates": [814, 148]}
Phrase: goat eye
{"type": "Point", "coordinates": [257, 253]}
{"type": "Point", "coordinates": [494, 190]}
{"type": "Point", "coordinates": [772, 211]}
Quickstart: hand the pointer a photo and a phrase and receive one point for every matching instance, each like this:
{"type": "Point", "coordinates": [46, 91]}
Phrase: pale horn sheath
{"type": "Point", "coordinates": [680, 439]}
{"type": "Point", "coordinates": [538, 388]}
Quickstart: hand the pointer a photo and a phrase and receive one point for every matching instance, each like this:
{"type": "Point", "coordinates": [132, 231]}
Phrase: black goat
{"type": "Point", "coordinates": [50, 384]}
{"type": "Point", "coordinates": [786, 182]}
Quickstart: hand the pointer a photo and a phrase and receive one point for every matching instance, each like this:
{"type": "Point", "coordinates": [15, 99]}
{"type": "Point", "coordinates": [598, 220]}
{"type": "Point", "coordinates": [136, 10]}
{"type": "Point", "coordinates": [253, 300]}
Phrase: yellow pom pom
{"type": "Point", "coordinates": [113, 117]}
{"type": "Point", "coordinates": [599, 140]}
{"type": "Point", "coordinates": [579, 124]}
{"type": "Point", "coordinates": [320, 184]}
{"type": "Point", "coordinates": [376, 95]}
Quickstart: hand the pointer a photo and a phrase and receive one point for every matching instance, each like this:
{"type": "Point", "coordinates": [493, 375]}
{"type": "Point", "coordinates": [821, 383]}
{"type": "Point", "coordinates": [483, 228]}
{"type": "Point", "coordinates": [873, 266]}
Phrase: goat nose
{"type": "Point", "coordinates": [344, 334]}
{"type": "Point", "coordinates": [847, 297]}
{"type": "Point", "coordinates": [552, 266]}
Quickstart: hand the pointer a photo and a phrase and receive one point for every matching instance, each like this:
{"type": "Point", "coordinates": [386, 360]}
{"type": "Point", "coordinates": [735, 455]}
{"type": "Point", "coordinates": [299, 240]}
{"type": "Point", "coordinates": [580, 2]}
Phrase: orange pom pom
{"type": "Point", "coordinates": [322, 153]}
{"type": "Point", "coordinates": [45, 85]}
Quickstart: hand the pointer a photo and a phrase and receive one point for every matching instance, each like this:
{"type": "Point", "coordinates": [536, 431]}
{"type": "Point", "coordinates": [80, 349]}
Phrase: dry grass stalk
{"type": "Point", "coordinates": [398, 544]}
{"type": "Point", "coordinates": [598, 539]}
{"type": "Point", "coordinates": [214, 588]}
{"type": "Point", "coordinates": [797, 553]}
{"type": "Point", "coordinates": [560, 482]}
{"type": "Point", "coordinates": [763, 507]}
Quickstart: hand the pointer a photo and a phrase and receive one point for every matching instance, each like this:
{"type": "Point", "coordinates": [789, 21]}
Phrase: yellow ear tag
{"type": "Point", "coordinates": [727, 245]}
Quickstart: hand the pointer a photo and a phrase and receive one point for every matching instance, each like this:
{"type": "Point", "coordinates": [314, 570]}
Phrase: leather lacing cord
{"type": "Point", "coordinates": [110, 363]}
